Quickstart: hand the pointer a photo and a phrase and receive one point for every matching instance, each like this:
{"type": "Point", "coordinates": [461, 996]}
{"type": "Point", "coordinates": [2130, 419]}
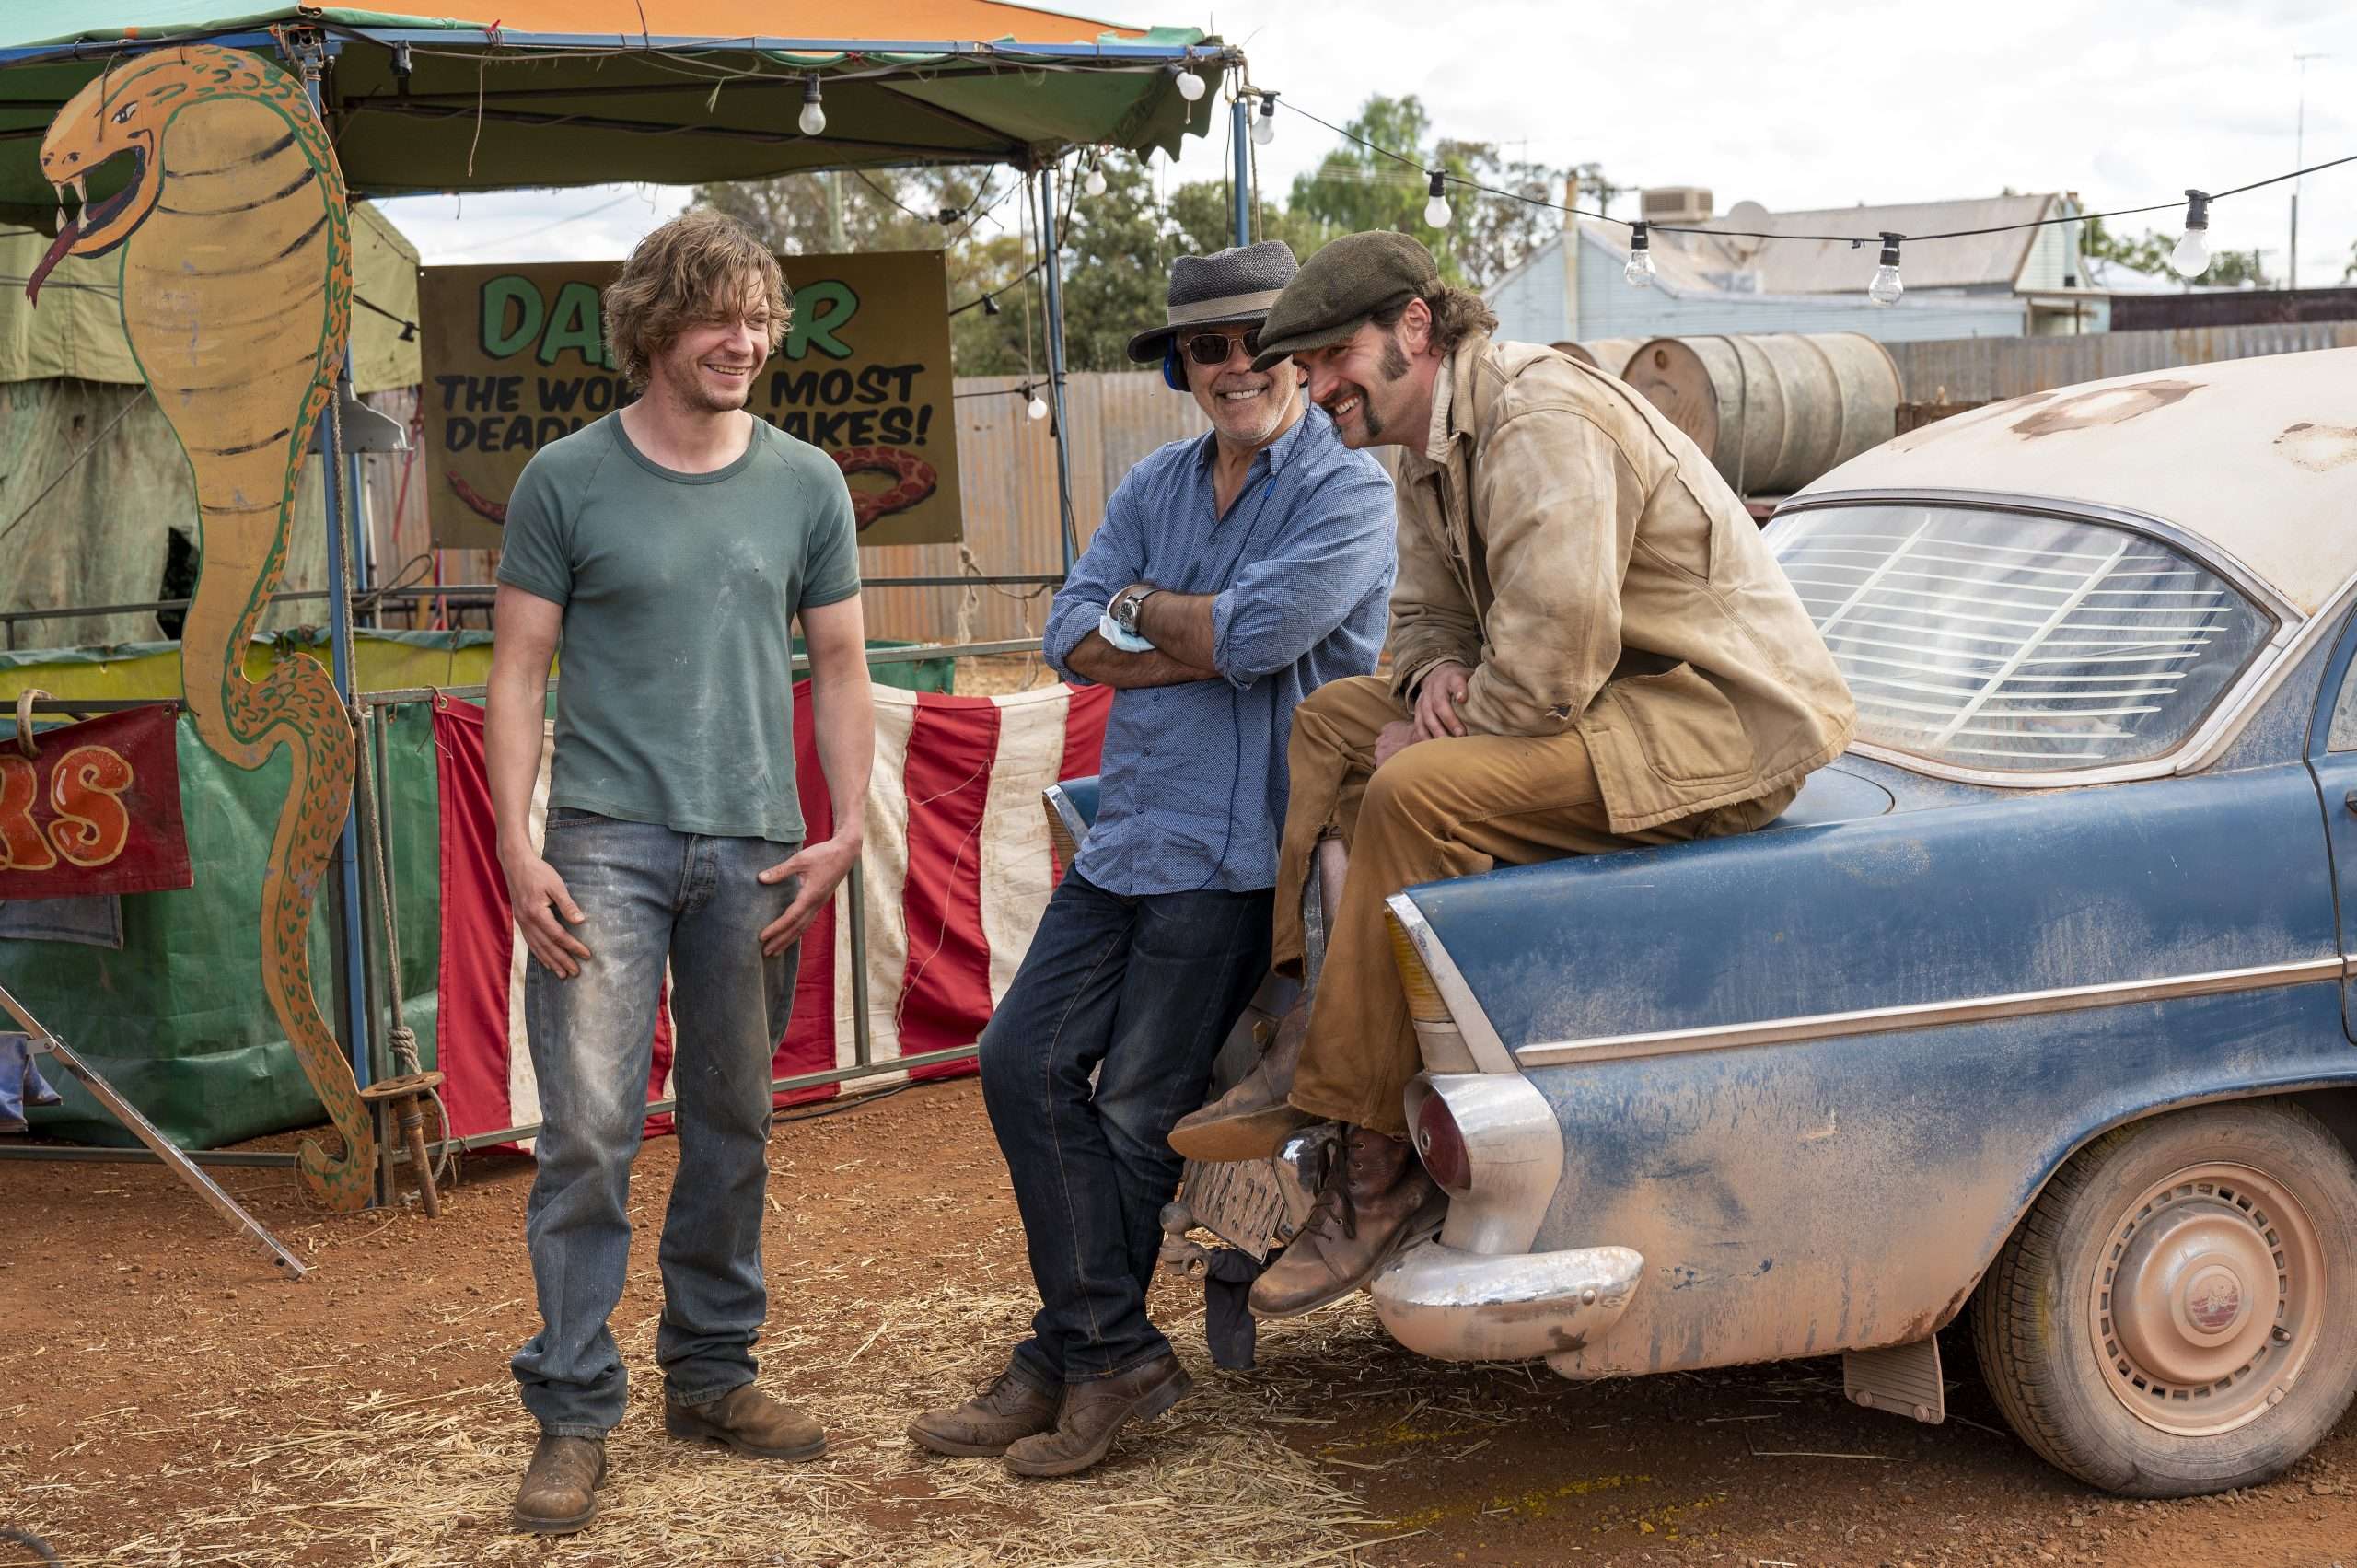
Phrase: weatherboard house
{"type": "Point", "coordinates": [2022, 283]}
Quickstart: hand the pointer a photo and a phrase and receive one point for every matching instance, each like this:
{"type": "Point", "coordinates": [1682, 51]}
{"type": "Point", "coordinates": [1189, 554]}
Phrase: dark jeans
{"type": "Point", "coordinates": [1144, 990]}
{"type": "Point", "coordinates": [652, 896]}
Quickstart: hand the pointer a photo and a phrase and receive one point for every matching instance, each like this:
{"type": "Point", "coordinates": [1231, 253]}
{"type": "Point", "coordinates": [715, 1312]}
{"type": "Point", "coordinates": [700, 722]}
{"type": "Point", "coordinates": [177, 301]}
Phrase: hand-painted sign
{"type": "Point", "coordinates": [515, 357]}
{"type": "Point", "coordinates": [95, 810]}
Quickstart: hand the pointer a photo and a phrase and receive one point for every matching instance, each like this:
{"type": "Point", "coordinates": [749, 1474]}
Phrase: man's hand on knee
{"type": "Point", "coordinates": [1393, 738]}
{"type": "Point", "coordinates": [1439, 696]}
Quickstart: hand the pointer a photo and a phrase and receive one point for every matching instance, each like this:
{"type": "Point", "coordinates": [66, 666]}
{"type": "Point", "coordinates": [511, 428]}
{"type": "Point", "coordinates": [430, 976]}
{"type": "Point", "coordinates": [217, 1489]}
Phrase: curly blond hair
{"type": "Point", "coordinates": [686, 271]}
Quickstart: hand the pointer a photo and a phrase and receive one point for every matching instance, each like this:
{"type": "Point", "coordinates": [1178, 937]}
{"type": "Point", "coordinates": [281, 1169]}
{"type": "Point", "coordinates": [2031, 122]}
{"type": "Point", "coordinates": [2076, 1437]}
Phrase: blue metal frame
{"type": "Point", "coordinates": [1239, 134]}
{"type": "Point", "coordinates": [1142, 53]}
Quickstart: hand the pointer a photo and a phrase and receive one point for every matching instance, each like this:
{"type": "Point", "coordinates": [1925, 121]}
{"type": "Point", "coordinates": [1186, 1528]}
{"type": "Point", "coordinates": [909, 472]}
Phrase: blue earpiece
{"type": "Point", "coordinates": [1173, 377]}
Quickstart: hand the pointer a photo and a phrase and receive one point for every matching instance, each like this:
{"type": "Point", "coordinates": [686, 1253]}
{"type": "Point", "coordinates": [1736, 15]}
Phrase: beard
{"type": "Point", "coordinates": [1394, 365]}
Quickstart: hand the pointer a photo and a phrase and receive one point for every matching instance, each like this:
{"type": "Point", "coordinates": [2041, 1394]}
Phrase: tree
{"type": "Point", "coordinates": [1117, 267]}
{"type": "Point", "coordinates": [1493, 234]}
{"type": "Point", "coordinates": [1203, 220]}
{"type": "Point", "coordinates": [1356, 189]}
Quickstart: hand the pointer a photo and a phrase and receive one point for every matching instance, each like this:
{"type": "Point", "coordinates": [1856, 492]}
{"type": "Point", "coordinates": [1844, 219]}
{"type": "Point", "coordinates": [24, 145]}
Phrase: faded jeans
{"type": "Point", "coordinates": [651, 894]}
{"type": "Point", "coordinates": [1143, 990]}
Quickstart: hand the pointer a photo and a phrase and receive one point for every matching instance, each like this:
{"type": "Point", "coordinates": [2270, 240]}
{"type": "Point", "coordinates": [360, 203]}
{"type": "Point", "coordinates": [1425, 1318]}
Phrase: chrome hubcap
{"type": "Point", "coordinates": [2205, 1297]}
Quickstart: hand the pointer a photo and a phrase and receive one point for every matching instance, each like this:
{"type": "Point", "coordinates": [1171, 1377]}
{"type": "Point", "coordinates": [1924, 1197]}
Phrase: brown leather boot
{"type": "Point", "coordinates": [749, 1422]}
{"type": "Point", "coordinates": [1252, 1120]}
{"type": "Point", "coordinates": [1016, 1405]}
{"type": "Point", "coordinates": [560, 1491]}
{"type": "Point", "coordinates": [1094, 1411]}
{"type": "Point", "coordinates": [1375, 1201]}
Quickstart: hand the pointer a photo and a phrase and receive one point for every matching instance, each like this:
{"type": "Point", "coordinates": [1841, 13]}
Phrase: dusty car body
{"type": "Point", "coordinates": [2034, 1002]}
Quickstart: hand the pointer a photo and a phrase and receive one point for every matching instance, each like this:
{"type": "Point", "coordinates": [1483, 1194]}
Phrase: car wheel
{"type": "Point", "coordinates": [2178, 1312]}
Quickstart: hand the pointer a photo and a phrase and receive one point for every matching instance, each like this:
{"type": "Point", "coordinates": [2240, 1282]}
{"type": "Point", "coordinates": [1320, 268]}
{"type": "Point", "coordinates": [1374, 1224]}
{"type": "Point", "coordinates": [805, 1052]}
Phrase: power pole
{"type": "Point", "coordinates": [2299, 161]}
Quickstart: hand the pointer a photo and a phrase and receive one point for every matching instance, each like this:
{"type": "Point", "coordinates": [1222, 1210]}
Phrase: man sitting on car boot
{"type": "Point", "coordinates": [1591, 649]}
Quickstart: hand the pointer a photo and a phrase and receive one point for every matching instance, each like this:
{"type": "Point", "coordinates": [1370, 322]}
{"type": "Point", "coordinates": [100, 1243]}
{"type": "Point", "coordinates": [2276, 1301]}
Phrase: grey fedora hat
{"type": "Point", "coordinates": [1219, 290]}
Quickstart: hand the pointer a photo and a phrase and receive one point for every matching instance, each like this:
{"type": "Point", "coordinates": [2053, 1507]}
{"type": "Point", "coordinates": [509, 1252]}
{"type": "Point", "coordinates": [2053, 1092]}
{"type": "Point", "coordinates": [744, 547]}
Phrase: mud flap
{"type": "Point", "coordinates": [1903, 1379]}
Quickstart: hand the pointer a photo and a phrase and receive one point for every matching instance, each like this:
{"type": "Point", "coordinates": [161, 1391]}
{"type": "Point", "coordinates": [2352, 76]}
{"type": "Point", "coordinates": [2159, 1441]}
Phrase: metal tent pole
{"type": "Point", "coordinates": [1053, 270]}
{"type": "Point", "coordinates": [352, 959]}
{"type": "Point", "coordinates": [1240, 136]}
{"type": "Point", "coordinates": [44, 1043]}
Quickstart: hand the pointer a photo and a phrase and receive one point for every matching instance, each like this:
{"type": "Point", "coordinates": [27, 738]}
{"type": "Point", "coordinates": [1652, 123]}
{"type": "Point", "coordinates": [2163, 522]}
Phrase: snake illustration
{"type": "Point", "coordinates": [236, 297]}
{"type": "Point", "coordinates": [915, 480]}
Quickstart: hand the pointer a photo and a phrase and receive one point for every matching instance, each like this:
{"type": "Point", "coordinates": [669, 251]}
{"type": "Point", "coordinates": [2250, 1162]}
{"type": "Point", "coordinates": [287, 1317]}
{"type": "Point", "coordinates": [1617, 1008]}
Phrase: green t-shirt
{"type": "Point", "coordinates": [676, 701]}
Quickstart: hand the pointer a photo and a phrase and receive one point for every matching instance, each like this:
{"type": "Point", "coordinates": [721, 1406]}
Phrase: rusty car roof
{"type": "Point", "coordinates": [2256, 456]}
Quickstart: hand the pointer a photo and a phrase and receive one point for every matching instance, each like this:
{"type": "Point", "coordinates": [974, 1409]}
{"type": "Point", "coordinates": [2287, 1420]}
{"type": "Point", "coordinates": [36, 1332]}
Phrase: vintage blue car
{"type": "Point", "coordinates": [2032, 1004]}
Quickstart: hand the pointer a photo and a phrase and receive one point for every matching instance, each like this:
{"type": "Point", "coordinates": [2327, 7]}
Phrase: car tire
{"type": "Point", "coordinates": [2177, 1314]}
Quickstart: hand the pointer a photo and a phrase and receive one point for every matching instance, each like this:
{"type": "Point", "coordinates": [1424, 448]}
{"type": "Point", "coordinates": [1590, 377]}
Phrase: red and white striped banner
{"type": "Point", "coordinates": [957, 867]}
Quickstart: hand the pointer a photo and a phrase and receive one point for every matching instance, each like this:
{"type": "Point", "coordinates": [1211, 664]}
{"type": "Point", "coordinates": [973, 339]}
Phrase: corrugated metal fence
{"type": "Point", "coordinates": [1979, 369]}
{"type": "Point", "coordinates": [1007, 461]}
{"type": "Point", "coordinates": [1006, 470]}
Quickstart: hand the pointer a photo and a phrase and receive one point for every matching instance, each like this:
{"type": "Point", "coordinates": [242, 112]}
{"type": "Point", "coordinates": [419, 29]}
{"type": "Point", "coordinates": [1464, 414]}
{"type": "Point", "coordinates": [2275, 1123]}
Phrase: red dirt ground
{"type": "Point", "coordinates": [156, 1375]}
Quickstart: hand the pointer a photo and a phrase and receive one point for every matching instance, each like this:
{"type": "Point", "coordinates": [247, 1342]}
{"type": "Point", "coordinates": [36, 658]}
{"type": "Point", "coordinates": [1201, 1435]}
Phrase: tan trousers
{"type": "Point", "coordinates": [1454, 807]}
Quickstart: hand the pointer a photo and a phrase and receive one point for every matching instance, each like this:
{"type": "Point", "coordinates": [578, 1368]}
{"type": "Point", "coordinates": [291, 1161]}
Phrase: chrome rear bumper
{"type": "Point", "coordinates": [1456, 1306]}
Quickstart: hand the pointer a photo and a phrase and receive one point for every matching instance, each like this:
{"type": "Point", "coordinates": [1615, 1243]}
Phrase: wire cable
{"type": "Point", "coordinates": [1850, 240]}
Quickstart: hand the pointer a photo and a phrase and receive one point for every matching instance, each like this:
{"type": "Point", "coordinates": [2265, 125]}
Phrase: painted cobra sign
{"type": "Point", "coordinates": [96, 809]}
{"type": "Point", "coordinates": [237, 298]}
{"type": "Point", "coordinates": [515, 357]}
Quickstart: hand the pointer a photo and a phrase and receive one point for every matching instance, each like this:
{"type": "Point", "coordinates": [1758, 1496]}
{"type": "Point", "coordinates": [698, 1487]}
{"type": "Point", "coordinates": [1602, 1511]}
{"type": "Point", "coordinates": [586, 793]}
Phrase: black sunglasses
{"type": "Point", "coordinates": [1213, 348]}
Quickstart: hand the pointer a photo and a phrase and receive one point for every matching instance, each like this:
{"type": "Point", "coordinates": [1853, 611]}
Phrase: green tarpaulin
{"type": "Point", "coordinates": [176, 1019]}
{"type": "Point", "coordinates": [672, 91]}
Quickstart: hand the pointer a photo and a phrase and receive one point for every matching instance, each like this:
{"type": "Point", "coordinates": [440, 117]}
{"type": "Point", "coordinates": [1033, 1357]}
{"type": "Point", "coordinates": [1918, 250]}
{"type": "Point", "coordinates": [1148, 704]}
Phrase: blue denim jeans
{"type": "Point", "coordinates": [650, 895]}
{"type": "Point", "coordinates": [1143, 990]}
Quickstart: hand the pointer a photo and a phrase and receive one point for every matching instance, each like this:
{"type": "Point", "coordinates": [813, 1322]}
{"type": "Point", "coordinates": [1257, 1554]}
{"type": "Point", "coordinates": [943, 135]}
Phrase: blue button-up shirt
{"type": "Point", "coordinates": [1193, 784]}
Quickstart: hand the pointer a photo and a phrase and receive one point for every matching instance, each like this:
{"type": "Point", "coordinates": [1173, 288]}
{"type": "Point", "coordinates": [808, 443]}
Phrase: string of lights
{"type": "Point", "coordinates": [2189, 258]}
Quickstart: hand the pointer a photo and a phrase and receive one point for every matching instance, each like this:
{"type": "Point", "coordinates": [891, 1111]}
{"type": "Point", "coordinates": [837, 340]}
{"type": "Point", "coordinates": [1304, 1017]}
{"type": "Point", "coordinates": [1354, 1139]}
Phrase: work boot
{"type": "Point", "coordinates": [1095, 1409]}
{"type": "Point", "coordinates": [1377, 1200]}
{"type": "Point", "coordinates": [1016, 1405]}
{"type": "Point", "coordinates": [560, 1491]}
{"type": "Point", "coordinates": [1252, 1120]}
{"type": "Point", "coordinates": [749, 1422]}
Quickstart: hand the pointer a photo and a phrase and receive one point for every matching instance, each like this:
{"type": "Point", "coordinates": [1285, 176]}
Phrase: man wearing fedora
{"type": "Point", "coordinates": [1591, 649]}
{"type": "Point", "coordinates": [1234, 573]}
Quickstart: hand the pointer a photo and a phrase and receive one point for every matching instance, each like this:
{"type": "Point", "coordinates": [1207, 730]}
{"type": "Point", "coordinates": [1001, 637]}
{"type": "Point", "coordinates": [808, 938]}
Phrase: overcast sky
{"type": "Point", "coordinates": [1790, 104]}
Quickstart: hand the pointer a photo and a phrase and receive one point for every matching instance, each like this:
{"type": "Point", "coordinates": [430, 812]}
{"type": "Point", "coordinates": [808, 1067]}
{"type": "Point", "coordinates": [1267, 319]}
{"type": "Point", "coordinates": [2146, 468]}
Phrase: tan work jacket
{"type": "Point", "coordinates": [1619, 589]}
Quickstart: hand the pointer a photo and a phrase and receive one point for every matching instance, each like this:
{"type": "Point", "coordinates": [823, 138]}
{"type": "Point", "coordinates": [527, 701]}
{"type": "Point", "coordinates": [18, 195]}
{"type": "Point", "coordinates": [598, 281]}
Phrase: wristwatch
{"type": "Point", "coordinates": [1127, 603]}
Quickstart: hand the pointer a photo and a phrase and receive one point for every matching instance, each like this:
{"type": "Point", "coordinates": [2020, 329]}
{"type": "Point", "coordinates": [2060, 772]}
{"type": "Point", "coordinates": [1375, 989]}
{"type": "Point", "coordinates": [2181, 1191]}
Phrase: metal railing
{"type": "Point", "coordinates": [464, 595]}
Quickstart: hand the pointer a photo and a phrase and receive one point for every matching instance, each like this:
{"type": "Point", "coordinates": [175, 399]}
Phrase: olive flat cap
{"type": "Point", "coordinates": [1340, 288]}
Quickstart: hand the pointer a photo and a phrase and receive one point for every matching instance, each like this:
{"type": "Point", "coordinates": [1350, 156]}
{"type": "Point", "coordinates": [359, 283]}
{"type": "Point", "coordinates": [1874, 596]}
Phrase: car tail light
{"type": "Point", "coordinates": [1424, 1003]}
{"type": "Point", "coordinates": [1441, 1146]}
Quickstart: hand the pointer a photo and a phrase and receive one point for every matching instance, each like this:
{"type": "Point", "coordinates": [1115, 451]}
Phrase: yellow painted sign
{"type": "Point", "coordinates": [516, 358]}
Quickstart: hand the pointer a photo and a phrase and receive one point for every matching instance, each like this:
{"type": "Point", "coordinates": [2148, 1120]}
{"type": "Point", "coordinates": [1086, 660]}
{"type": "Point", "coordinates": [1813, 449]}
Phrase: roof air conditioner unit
{"type": "Point", "coordinates": [1677, 203]}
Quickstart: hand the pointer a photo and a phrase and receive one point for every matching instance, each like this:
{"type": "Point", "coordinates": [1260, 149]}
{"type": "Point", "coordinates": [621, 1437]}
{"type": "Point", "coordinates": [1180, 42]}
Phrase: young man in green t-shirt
{"type": "Point", "coordinates": [670, 544]}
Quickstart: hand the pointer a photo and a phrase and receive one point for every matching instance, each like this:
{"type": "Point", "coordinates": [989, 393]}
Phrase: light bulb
{"type": "Point", "coordinates": [1639, 272]}
{"type": "Point", "coordinates": [1264, 124]}
{"type": "Point", "coordinates": [1191, 86]}
{"type": "Point", "coordinates": [1095, 184]}
{"type": "Point", "coordinates": [2191, 256]}
{"type": "Point", "coordinates": [813, 119]}
{"type": "Point", "coordinates": [1887, 288]}
{"type": "Point", "coordinates": [1436, 209]}
{"type": "Point", "coordinates": [1038, 408]}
